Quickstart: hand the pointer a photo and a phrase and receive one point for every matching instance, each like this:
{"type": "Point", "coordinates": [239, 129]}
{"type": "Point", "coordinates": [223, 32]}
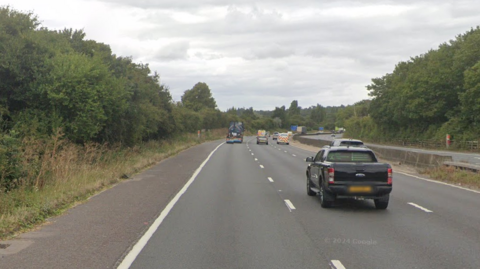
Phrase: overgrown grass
{"type": "Point", "coordinates": [60, 174]}
{"type": "Point", "coordinates": [454, 176]}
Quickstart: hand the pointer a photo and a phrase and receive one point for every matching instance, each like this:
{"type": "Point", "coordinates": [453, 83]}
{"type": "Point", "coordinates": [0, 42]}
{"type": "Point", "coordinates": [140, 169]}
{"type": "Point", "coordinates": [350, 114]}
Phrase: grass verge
{"type": "Point", "coordinates": [61, 174]}
{"type": "Point", "coordinates": [456, 176]}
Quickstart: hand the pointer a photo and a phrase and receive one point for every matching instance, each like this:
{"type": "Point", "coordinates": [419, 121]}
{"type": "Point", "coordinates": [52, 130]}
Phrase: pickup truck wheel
{"type": "Point", "coordinates": [309, 190]}
{"type": "Point", "coordinates": [325, 198]}
{"type": "Point", "coordinates": [382, 203]}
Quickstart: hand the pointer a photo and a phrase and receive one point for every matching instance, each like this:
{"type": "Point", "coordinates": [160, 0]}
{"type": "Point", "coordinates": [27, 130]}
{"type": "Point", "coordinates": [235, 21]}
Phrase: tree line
{"type": "Point", "coordinates": [428, 96]}
{"type": "Point", "coordinates": [57, 82]}
{"type": "Point", "coordinates": [58, 79]}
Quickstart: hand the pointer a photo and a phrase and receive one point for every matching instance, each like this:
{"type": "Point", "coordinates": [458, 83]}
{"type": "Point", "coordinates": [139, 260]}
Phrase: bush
{"type": "Point", "coordinates": [11, 167]}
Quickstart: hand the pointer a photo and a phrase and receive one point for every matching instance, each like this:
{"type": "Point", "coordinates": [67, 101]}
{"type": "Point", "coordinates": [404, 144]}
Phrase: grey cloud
{"type": "Point", "coordinates": [316, 58]}
{"type": "Point", "coordinates": [173, 51]}
{"type": "Point", "coordinates": [189, 4]}
{"type": "Point", "coordinates": [270, 51]}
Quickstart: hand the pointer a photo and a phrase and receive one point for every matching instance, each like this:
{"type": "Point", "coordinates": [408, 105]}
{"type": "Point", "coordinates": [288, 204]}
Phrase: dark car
{"type": "Point", "coordinates": [348, 172]}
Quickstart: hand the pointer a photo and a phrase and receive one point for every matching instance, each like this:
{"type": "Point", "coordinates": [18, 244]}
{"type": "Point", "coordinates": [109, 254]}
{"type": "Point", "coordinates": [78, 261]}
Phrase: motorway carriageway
{"type": "Point", "coordinates": [247, 207]}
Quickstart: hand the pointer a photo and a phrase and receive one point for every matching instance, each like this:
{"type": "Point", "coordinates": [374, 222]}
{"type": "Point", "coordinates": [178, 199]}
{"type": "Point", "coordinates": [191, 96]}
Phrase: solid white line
{"type": "Point", "coordinates": [420, 207]}
{"type": "Point", "coordinates": [336, 264]}
{"type": "Point", "coordinates": [440, 182]}
{"type": "Point", "coordinates": [261, 166]}
{"type": "Point", "coordinates": [289, 205]}
{"type": "Point", "coordinates": [270, 179]}
{"type": "Point", "coordinates": [137, 248]}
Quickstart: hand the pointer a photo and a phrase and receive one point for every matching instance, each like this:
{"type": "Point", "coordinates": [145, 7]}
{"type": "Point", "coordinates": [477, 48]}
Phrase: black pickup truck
{"type": "Point", "coordinates": [348, 172]}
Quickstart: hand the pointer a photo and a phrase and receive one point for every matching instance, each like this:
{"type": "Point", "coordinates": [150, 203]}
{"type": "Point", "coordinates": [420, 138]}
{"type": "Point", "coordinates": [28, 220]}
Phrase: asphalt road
{"type": "Point", "coordinates": [472, 158]}
{"type": "Point", "coordinates": [248, 208]}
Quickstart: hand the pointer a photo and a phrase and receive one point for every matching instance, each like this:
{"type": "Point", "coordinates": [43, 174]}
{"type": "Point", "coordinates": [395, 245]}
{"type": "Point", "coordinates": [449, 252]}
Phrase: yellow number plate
{"type": "Point", "coordinates": [360, 189]}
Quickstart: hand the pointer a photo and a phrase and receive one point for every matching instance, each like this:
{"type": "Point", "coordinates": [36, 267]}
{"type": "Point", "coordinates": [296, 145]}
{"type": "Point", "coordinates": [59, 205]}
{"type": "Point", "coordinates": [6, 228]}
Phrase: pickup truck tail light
{"type": "Point", "coordinates": [389, 176]}
{"type": "Point", "coordinates": [331, 175]}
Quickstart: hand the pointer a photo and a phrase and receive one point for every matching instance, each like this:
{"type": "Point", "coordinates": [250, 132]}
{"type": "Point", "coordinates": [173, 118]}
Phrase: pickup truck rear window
{"type": "Point", "coordinates": [351, 156]}
{"type": "Point", "coordinates": [351, 143]}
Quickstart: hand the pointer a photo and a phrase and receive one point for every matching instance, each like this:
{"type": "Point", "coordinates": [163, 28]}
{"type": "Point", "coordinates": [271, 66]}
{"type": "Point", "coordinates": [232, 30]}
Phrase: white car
{"type": "Point", "coordinates": [283, 138]}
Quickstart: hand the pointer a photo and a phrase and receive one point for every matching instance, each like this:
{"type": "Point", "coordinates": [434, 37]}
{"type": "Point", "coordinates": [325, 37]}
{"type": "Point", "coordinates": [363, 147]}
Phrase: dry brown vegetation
{"type": "Point", "coordinates": [59, 174]}
{"type": "Point", "coordinates": [456, 176]}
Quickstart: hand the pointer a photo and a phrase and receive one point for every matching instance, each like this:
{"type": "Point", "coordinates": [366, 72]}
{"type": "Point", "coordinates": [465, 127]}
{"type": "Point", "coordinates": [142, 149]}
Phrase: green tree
{"type": "Point", "coordinates": [78, 92]}
{"type": "Point", "coordinates": [317, 114]}
{"type": "Point", "coordinates": [249, 115]}
{"type": "Point", "coordinates": [470, 100]}
{"type": "Point", "coordinates": [294, 109]}
{"type": "Point", "coordinates": [281, 114]}
{"type": "Point", "coordinates": [199, 97]}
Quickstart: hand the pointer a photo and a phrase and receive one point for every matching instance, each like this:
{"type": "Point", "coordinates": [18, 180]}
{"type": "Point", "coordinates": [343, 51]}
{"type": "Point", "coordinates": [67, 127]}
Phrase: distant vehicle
{"type": "Point", "coordinates": [347, 142]}
{"type": "Point", "coordinates": [235, 132]}
{"type": "Point", "coordinates": [283, 138]}
{"type": "Point", "coordinates": [302, 129]}
{"type": "Point", "coordinates": [348, 172]}
{"type": "Point", "coordinates": [262, 137]}
{"type": "Point", "coordinates": [275, 135]}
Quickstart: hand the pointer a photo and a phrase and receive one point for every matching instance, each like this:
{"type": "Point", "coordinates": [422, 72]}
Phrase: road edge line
{"type": "Point", "coordinates": [439, 182]}
{"type": "Point", "coordinates": [142, 242]}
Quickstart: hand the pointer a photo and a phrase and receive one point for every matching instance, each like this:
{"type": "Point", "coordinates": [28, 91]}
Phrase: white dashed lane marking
{"type": "Point", "coordinates": [336, 264]}
{"type": "Point", "coordinates": [289, 205]}
{"type": "Point", "coordinates": [420, 207]}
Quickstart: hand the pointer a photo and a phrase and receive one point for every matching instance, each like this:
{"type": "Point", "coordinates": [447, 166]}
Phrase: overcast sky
{"type": "Point", "coordinates": [264, 54]}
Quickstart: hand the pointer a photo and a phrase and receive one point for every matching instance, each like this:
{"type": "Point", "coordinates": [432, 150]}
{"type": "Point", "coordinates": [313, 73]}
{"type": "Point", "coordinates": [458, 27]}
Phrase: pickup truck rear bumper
{"type": "Point", "coordinates": [343, 191]}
